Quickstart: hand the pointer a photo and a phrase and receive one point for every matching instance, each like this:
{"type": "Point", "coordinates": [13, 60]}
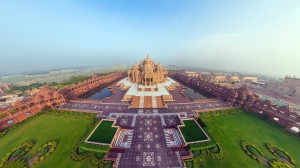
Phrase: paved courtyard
{"type": "Point", "coordinates": [149, 148]}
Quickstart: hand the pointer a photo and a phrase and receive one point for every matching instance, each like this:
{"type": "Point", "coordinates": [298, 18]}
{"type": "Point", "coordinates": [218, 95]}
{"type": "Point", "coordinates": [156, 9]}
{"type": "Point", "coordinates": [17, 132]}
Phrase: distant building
{"type": "Point", "coordinates": [192, 73]}
{"type": "Point", "coordinates": [289, 86]}
{"type": "Point", "coordinates": [222, 78]}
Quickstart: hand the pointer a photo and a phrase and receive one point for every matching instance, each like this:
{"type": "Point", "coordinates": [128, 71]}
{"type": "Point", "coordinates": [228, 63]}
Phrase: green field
{"type": "Point", "coordinates": [229, 129]}
{"type": "Point", "coordinates": [192, 132]}
{"type": "Point", "coordinates": [66, 130]}
{"type": "Point", "coordinates": [104, 133]}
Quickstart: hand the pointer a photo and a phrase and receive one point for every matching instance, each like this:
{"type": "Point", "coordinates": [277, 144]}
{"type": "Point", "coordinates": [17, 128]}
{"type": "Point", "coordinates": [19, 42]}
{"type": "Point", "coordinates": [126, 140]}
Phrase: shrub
{"type": "Point", "coordinates": [280, 153]}
{"type": "Point", "coordinates": [94, 159]}
{"type": "Point", "coordinates": [23, 107]}
{"type": "Point", "coordinates": [19, 151]}
{"type": "Point", "coordinates": [189, 164]}
{"type": "Point", "coordinates": [75, 155]}
{"type": "Point", "coordinates": [44, 151]}
{"type": "Point", "coordinates": [2, 115]}
{"type": "Point", "coordinates": [13, 111]}
{"type": "Point", "coordinates": [93, 147]}
{"type": "Point", "coordinates": [278, 164]}
{"type": "Point", "coordinates": [216, 152]}
{"type": "Point", "coordinates": [17, 164]}
{"type": "Point", "coordinates": [251, 150]}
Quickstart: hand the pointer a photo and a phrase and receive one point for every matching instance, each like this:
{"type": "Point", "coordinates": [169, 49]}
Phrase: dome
{"type": "Point", "coordinates": [147, 73]}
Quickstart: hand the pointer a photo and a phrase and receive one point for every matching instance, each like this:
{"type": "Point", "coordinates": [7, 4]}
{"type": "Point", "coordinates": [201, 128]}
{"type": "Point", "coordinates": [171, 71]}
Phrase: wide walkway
{"type": "Point", "coordinates": [107, 108]}
{"type": "Point", "coordinates": [149, 147]}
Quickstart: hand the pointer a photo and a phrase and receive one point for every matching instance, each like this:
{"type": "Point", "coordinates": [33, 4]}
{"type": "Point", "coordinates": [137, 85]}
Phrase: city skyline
{"type": "Point", "coordinates": [258, 37]}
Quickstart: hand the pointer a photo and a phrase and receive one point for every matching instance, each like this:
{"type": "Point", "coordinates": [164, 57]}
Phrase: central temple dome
{"type": "Point", "coordinates": [147, 73]}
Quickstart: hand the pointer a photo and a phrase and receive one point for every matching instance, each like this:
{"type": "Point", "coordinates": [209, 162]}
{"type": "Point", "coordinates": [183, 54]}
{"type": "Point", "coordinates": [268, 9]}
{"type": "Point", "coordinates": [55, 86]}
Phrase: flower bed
{"type": "Point", "coordinates": [216, 152]}
{"type": "Point", "coordinates": [280, 153]}
{"type": "Point", "coordinates": [44, 151]}
{"type": "Point", "coordinates": [217, 113]}
{"type": "Point", "coordinates": [278, 164]}
{"type": "Point", "coordinates": [78, 154]}
{"type": "Point", "coordinates": [17, 164]}
{"type": "Point", "coordinates": [19, 151]}
{"type": "Point", "coordinates": [252, 151]}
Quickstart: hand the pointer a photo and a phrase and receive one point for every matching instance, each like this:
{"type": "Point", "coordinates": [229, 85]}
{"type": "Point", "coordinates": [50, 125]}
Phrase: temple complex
{"type": "Point", "coordinates": [147, 73]}
{"type": "Point", "coordinates": [151, 114]}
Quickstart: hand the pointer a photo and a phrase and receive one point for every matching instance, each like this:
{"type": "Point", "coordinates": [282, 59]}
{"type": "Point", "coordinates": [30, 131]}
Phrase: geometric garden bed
{"type": "Point", "coordinates": [284, 160]}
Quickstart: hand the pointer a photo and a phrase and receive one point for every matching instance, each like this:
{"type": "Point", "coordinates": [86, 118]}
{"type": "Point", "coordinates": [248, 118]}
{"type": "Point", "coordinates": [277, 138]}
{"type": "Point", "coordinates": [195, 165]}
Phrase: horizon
{"type": "Point", "coordinates": [257, 37]}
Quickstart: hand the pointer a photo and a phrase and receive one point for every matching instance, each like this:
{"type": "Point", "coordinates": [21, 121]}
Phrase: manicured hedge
{"type": "Point", "coordinates": [189, 163]}
{"type": "Point", "coordinates": [253, 150]}
{"type": "Point", "coordinates": [202, 145]}
{"type": "Point", "coordinates": [216, 152]}
{"type": "Point", "coordinates": [280, 153]}
{"type": "Point", "coordinates": [248, 149]}
{"type": "Point", "coordinates": [278, 164]}
{"type": "Point", "coordinates": [19, 151]}
{"type": "Point", "coordinates": [93, 147]}
{"type": "Point", "coordinates": [17, 164]}
{"type": "Point", "coordinates": [78, 154]}
{"type": "Point", "coordinates": [216, 113]}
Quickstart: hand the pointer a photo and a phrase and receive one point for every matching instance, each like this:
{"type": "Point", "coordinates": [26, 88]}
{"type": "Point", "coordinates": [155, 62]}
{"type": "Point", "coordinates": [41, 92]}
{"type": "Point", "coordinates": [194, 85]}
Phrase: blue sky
{"type": "Point", "coordinates": [251, 36]}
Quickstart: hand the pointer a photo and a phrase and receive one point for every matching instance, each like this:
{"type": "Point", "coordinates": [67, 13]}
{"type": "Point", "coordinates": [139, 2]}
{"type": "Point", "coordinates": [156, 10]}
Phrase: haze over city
{"type": "Point", "coordinates": [251, 36]}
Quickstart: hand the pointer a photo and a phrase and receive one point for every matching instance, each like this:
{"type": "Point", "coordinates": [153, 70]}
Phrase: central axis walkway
{"type": "Point", "coordinates": [149, 147]}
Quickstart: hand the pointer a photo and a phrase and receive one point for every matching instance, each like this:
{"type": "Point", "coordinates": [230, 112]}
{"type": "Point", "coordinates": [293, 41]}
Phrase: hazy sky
{"type": "Point", "coordinates": [241, 35]}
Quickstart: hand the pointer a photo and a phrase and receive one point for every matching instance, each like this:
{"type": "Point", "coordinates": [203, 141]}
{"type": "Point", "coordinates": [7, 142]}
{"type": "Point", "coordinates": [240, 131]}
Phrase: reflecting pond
{"type": "Point", "coordinates": [193, 94]}
{"type": "Point", "coordinates": [101, 94]}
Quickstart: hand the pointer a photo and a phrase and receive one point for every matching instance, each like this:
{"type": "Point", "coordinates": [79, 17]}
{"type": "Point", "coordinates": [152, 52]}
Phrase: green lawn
{"type": "Point", "coordinates": [67, 131]}
{"type": "Point", "coordinates": [230, 129]}
{"type": "Point", "coordinates": [104, 132]}
{"type": "Point", "coordinates": [192, 132]}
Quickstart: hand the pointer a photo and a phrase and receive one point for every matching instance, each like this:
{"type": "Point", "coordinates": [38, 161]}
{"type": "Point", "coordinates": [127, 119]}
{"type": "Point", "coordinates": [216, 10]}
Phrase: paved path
{"type": "Point", "coordinates": [107, 109]}
{"type": "Point", "coordinates": [149, 147]}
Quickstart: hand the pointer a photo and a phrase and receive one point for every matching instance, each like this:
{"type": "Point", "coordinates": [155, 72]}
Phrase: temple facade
{"type": "Point", "coordinates": [147, 73]}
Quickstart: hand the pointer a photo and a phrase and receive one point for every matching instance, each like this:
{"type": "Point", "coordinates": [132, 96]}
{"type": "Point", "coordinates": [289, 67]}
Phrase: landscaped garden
{"type": "Point", "coordinates": [48, 139]}
{"type": "Point", "coordinates": [230, 128]}
{"type": "Point", "coordinates": [104, 133]}
{"type": "Point", "coordinates": [192, 132]}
